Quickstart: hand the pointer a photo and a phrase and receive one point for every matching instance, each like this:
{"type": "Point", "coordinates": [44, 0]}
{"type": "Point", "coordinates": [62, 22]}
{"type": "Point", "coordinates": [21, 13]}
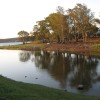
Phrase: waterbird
{"type": "Point", "coordinates": [80, 87]}
{"type": "Point", "coordinates": [65, 90]}
{"type": "Point", "coordinates": [36, 78]}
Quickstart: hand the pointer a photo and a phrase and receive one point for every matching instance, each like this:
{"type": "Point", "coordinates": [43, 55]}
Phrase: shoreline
{"type": "Point", "coordinates": [13, 90]}
{"type": "Point", "coordinates": [89, 49]}
{"type": "Point", "coordinates": [77, 48]}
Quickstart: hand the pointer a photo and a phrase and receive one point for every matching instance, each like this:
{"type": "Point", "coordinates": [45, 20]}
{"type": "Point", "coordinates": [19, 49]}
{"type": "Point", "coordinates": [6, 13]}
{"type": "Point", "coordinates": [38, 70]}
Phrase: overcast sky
{"type": "Point", "coordinates": [17, 15]}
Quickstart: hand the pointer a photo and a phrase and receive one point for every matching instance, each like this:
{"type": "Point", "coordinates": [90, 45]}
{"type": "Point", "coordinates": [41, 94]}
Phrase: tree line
{"type": "Point", "coordinates": [64, 26]}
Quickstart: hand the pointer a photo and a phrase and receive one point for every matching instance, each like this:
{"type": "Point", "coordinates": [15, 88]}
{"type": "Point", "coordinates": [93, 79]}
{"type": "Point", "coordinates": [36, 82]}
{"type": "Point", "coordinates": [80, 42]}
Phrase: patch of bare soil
{"type": "Point", "coordinates": [75, 47]}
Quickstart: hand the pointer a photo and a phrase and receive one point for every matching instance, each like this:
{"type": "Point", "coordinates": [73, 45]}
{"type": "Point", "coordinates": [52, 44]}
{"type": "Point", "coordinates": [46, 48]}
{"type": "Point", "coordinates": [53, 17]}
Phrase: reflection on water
{"type": "Point", "coordinates": [24, 56]}
{"type": "Point", "coordinates": [62, 70]}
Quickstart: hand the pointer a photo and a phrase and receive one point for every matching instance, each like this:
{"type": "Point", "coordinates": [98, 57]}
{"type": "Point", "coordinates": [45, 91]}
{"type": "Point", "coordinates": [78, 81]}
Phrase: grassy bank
{"type": "Point", "coordinates": [95, 47]}
{"type": "Point", "coordinates": [12, 90]}
{"type": "Point", "coordinates": [29, 46]}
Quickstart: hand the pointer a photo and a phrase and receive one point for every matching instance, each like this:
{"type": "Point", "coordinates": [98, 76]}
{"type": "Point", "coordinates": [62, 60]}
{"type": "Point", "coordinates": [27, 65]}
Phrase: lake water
{"type": "Point", "coordinates": [10, 43]}
{"type": "Point", "coordinates": [53, 69]}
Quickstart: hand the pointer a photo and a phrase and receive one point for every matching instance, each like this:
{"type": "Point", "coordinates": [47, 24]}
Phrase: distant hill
{"type": "Point", "coordinates": [9, 40]}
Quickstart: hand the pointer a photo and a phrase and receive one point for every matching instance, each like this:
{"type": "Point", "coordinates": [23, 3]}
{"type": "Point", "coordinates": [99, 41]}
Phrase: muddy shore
{"type": "Point", "coordinates": [80, 48]}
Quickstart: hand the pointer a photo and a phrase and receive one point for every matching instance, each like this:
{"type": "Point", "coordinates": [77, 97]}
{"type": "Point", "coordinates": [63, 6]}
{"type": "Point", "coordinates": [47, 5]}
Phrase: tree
{"type": "Point", "coordinates": [63, 23]}
{"type": "Point", "coordinates": [57, 22]}
{"type": "Point", "coordinates": [97, 20]}
{"type": "Point", "coordinates": [76, 24]}
{"type": "Point", "coordinates": [84, 18]}
{"type": "Point", "coordinates": [72, 24]}
{"type": "Point", "coordinates": [24, 56]}
{"type": "Point", "coordinates": [31, 37]}
{"type": "Point", "coordinates": [41, 30]}
{"type": "Point", "coordinates": [23, 35]}
{"type": "Point", "coordinates": [36, 32]}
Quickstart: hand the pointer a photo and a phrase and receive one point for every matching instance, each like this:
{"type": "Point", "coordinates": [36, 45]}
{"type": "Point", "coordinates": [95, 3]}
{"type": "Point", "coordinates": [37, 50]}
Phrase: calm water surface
{"type": "Point", "coordinates": [52, 69]}
{"type": "Point", "coordinates": [10, 43]}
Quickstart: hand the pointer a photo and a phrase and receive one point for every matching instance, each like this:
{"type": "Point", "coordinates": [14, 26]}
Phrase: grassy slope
{"type": "Point", "coordinates": [12, 90]}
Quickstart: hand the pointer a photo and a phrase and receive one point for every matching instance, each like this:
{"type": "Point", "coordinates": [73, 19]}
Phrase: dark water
{"type": "Point", "coordinates": [53, 69]}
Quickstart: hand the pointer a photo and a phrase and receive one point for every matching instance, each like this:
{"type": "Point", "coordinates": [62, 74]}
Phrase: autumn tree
{"type": "Point", "coordinates": [74, 24]}
{"type": "Point", "coordinates": [63, 23]}
{"type": "Point", "coordinates": [41, 30]}
{"type": "Point", "coordinates": [23, 36]}
{"type": "Point", "coordinates": [97, 20]}
{"type": "Point", "coordinates": [83, 18]}
{"type": "Point", "coordinates": [32, 37]}
{"type": "Point", "coordinates": [36, 32]}
{"type": "Point", "coordinates": [57, 23]}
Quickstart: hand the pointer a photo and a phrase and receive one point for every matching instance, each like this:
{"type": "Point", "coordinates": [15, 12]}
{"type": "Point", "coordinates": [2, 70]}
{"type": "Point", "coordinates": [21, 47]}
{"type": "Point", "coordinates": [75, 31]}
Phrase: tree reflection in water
{"type": "Point", "coordinates": [66, 68]}
{"type": "Point", "coordinates": [24, 56]}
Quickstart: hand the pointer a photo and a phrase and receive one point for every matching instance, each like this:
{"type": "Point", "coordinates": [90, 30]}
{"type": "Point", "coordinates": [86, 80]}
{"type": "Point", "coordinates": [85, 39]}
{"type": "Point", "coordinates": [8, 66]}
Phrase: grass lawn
{"type": "Point", "coordinates": [12, 90]}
